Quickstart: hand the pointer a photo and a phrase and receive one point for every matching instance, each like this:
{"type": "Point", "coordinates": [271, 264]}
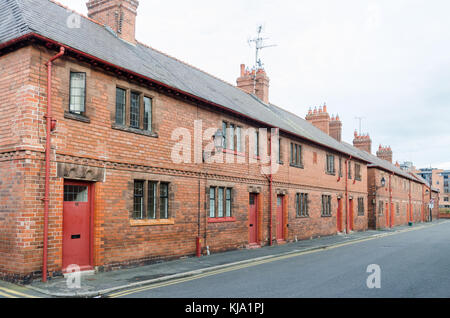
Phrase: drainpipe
{"type": "Point", "coordinates": [51, 124]}
{"type": "Point", "coordinates": [390, 201]}
{"type": "Point", "coordinates": [410, 204]}
{"type": "Point", "coordinates": [346, 195]}
{"type": "Point", "coordinates": [270, 192]}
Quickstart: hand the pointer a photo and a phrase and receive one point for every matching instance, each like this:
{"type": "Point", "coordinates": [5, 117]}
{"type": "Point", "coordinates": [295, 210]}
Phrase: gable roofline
{"type": "Point", "coordinates": [56, 44]}
{"type": "Point", "coordinates": [148, 65]}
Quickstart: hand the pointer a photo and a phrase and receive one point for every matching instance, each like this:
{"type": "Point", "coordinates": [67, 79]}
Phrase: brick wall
{"type": "Point", "coordinates": [126, 156]}
{"type": "Point", "coordinates": [404, 208]}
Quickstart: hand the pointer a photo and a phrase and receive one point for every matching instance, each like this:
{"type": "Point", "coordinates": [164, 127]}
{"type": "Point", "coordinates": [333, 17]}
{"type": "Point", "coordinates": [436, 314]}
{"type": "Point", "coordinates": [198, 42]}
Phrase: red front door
{"type": "Point", "coordinates": [339, 216]}
{"type": "Point", "coordinates": [280, 218]}
{"type": "Point", "coordinates": [77, 224]}
{"type": "Point", "coordinates": [253, 219]}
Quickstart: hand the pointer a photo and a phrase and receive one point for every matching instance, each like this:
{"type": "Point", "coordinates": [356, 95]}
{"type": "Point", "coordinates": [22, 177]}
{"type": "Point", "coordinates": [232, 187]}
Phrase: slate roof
{"type": "Point", "coordinates": [49, 20]}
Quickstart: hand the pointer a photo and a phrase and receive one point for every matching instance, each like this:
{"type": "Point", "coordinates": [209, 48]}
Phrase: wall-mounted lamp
{"type": "Point", "coordinates": [218, 138]}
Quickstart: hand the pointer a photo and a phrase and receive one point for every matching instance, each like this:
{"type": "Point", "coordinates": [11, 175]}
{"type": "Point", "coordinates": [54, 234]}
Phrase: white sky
{"type": "Point", "coordinates": [385, 60]}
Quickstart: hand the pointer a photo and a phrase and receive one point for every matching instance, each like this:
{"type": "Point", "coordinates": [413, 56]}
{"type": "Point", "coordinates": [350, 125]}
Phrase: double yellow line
{"type": "Point", "coordinates": [9, 293]}
{"type": "Point", "coordinates": [251, 264]}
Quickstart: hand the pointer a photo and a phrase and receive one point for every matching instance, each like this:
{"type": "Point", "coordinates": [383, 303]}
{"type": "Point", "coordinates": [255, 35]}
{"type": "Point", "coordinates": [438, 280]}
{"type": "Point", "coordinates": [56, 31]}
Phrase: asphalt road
{"type": "Point", "coordinates": [412, 264]}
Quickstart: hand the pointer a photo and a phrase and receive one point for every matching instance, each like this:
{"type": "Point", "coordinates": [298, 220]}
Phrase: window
{"type": "Point", "coordinates": [135, 110]}
{"type": "Point", "coordinates": [296, 155]}
{"type": "Point", "coordinates": [220, 202]}
{"type": "Point", "coordinates": [138, 203]}
{"type": "Point", "coordinates": [326, 205]}
{"type": "Point", "coordinates": [357, 172]}
{"type": "Point", "coordinates": [75, 193]}
{"type": "Point", "coordinates": [150, 197]}
{"type": "Point", "coordinates": [446, 199]}
{"type": "Point", "coordinates": [380, 207]}
{"type": "Point", "coordinates": [238, 139]}
{"type": "Point", "coordinates": [121, 96]}
{"type": "Point", "coordinates": [77, 93]}
{"type": "Point", "coordinates": [257, 143]}
{"type": "Point", "coordinates": [228, 203]}
{"type": "Point", "coordinates": [231, 144]}
{"type": "Point", "coordinates": [301, 204]}
{"type": "Point", "coordinates": [361, 206]}
{"type": "Point", "coordinates": [279, 151]}
{"type": "Point", "coordinates": [232, 137]}
{"type": "Point", "coordinates": [330, 164]}
{"type": "Point", "coordinates": [349, 170]}
{"type": "Point", "coordinates": [147, 113]}
{"type": "Point", "coordinates": [397, 208]}
{"type": "Point", "coordinates": [212, 202]}
{"type": "Point", "coordinates": [164, 198]}
{"type": "Point", "coordinates": [340, 167]}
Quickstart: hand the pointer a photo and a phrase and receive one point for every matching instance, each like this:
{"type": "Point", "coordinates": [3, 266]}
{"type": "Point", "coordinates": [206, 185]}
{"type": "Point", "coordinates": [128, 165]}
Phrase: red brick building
{"type": "Point", "coordinates": [126, 177]}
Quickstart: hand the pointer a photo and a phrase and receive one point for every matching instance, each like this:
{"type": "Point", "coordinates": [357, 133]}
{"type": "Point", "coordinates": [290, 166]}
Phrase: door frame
{"type": "Point", "coordinates": [91, 196]}
{"type": "Point", "coordinates": [256, 223]}
{"type": "Point", "coordinates": [283, 218]}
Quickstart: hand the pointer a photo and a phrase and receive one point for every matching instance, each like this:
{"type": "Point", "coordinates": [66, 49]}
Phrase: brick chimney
{"type": "Point", "coordinates": [320, 118]}
{"type": "Point", "coordinates": [254, 82]}
{"type": "Point", "coordinates": [363, 142]}
{"type": "Point", "coordinates": [336, 128]}
{"type": "Point", "coordinates": [385, 153]}
{"type": "Point", "coordinates": [119, 15]}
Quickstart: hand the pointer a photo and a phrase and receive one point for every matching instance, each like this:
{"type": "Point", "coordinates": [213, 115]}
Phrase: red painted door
{"type": "Point", "coordinates": [339, 216]}
{"type": "Point", "coordinates": [253, 219]}
{"type": "Point", "coordinates": [76, 225]}
{"type": "Point", "coordinates": [280, 218]}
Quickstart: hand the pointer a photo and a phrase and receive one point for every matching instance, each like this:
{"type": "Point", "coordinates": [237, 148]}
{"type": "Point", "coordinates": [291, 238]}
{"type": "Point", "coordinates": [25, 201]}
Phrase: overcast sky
{"type": "Point", "coordinates": [387, 61]}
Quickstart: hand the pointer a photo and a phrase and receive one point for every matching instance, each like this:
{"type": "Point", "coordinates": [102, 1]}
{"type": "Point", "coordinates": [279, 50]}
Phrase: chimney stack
{"type": "Point", "coordinates": [119, 15]}
{"type": "Point", "coordinates": [320, 119]}
{"type": "Point", "coordinates": [363, 142]}
{"type": "Point", "coordinates": [254, 82]}
{"type": "Point", "coordinates": [336, 128]}
{"type": "Point", "coordinates": [385, 153]}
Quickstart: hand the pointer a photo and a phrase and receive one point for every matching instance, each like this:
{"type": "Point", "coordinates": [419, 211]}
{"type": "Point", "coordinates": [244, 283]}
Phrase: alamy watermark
{"type": "Point", "coordinates": [263, 146]}
{"type": "Point", "coordinates": [374, 279]}
{"type": "Point", "coordinates": [73, 276]}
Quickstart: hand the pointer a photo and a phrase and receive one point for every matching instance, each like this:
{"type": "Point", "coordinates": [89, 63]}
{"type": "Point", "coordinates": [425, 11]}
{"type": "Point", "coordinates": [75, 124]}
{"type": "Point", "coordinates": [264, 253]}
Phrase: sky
{"type": "Point", "coordinates": [386, 61]}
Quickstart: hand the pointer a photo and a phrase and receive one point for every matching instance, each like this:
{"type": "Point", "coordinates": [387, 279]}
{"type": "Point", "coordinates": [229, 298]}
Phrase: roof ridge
{"type": "Point", "coordinates": [72, 10]}
{"type": "Point", "coordinates": [183, 62]}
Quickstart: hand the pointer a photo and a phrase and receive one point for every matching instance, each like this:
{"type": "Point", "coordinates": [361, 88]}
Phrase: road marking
{"type": "Point", "coordinates": [7, 295]}
{"type": "Point", "coordinates": [265, 261]}
{"type": "Point", "coordinates": [10, 291]}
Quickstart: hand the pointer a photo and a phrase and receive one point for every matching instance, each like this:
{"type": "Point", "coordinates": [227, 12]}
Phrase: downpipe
{"type": "Point", "coordinates": [50, 126]}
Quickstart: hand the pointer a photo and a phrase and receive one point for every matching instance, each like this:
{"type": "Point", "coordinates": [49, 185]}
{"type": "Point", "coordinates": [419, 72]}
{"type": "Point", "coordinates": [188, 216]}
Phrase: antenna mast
{"type": "Point", "coordinates": [259, 45]}
{"type": "Point", "coordinates": [360, 121]}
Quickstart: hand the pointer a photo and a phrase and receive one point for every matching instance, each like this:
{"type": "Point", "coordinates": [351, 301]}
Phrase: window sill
{"type": "Point", "coordinates": [330, 173]}
{"type": "Point", "coordinates": [296, 166]}
{"type": "Point", "coordinates": [152, 222]}
{"type": "Point", "coordinates": [135, 130]}
{"type": "Point", "coordinates": [326, 216]}
{"type": "Point", "coordinates": [234, 152]}
{"type": "Point", "coordinates": [77, 117]}
{"type": "Point", "coordinates": [302, 216]}
{"type": "Point", "coordinates": [221, 220]}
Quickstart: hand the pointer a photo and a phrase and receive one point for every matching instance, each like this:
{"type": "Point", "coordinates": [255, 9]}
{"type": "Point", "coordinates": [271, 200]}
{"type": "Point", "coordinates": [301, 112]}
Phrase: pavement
{"type": "Point", "coordinates": [103, 283]}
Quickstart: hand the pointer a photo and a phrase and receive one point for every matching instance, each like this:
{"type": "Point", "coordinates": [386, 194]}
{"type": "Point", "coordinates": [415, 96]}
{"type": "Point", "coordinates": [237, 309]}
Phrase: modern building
{"type": "Point", "coordinates": [439, 179]}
